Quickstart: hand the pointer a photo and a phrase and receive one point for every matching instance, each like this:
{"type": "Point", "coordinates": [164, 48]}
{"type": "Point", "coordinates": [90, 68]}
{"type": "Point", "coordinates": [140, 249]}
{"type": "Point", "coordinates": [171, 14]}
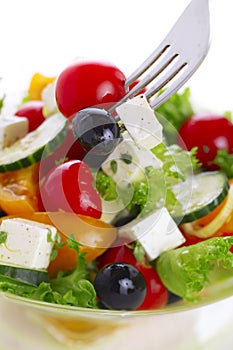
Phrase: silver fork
{"type": "Point", "coordinates": [177, 57]}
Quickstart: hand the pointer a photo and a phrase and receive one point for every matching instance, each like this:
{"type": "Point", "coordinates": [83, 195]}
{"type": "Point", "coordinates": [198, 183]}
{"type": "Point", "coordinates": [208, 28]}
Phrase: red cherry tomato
{"type": "Point", "coordinates": [134, 84]}
{"type": "Point", "coordinates": [88, 83]}
{"type": "Point", "coordinates": [157, 294]}
{"type": "Point", "coordinates": [209, 133]}
{"type": "Point", "coordinates": [69, 187]}
{"type": "Point", "coordinates": [33, 111]}
{"type": "Point", "coordinates": [70, 149]}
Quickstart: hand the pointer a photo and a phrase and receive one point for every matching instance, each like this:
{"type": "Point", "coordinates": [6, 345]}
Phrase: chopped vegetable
{"type": "Point", "coordinates": [184, 271]}
{"type": "Point", "coordinates": [35, 145]}
{"type": "Point", "coordinates": [37, 84]}
{"type": "Point", "coordinates": [208, 132]}
{"type": "Point", "coordinates": [224, 161]}
{"type": "Point", "coordinates": [174, 112]}
{"type": "Point", "coordinates": [73, 288]}
{"type": "Point", "coordinates": [19, 191]}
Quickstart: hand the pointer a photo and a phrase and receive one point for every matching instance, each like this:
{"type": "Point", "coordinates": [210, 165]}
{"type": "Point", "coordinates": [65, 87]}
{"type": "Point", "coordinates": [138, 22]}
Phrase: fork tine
{"type": "Point", "coordinates": [149, 77]}
{"type": "Point", "coordinates": [166, 78]}
{"type": "Point", "coordinates": [177, 82]}
{"type": "Point", "coordinates": [188, 41]}
{"type": "Point", "coordinates": [184, 21]}
{"type": "Point", "coordinates": [156, 54]}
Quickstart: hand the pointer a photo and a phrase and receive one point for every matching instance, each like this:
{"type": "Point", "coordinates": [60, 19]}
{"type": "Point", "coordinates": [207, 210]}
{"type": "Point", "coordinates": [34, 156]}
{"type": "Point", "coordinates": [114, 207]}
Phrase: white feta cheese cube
{"type": "Point", "coordinates": [28, 243]}
{"type": "Point", "coordinates": [128, 161]}
{"type": "Point", "coordinates": [156, 232]}
{"type": "Point", "coordinates": [140, 121]}
{"type": "Point", "coordinates": [12, 128]}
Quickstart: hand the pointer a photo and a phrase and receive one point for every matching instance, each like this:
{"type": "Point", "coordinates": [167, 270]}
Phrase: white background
{"type": "Point", "coordinates": [47, 35]}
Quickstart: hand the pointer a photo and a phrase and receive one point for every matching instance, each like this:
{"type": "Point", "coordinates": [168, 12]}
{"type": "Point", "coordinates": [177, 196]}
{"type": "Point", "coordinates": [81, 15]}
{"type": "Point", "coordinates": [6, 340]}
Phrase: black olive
{"type": "Point", "coordinates": [96, 130]}
{"type": "Point", "coordinates": [120, 286]}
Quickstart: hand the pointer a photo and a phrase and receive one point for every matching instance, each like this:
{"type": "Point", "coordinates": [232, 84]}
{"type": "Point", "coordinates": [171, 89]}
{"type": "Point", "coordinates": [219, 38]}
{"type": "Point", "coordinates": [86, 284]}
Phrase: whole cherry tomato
{"type": "Point", "coordinates": [157, 294]}
{"type": "Point", "coordinates": [208, 132]}
{"type": "Point", "coordinates": [69, 187]}
{"type": "Point", "coordinates": [33, 111]}
{"type": "Point", "coordinates": [88, 83]}
{"type": "Point", "coordinates": [70, 149]}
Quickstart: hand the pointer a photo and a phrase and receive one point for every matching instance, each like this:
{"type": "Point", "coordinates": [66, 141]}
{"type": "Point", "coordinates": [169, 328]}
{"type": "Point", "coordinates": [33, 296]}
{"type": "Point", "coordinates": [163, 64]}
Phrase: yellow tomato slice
{"type": "Point", "coordinates": [37, 84]}
{"type": "Point", "coordinates": [19, 191]}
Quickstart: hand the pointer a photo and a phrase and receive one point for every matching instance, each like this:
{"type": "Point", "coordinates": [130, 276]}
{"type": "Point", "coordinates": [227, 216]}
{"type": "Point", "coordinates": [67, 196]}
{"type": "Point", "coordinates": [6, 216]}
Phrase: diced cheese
{"type": "Point", "coordinates": [28, 243]}
{"type": "Point", "coordinates": [140, 121]}
{"type": "Point", "coordinates": [49, 99]}
{"type": "Point", "coordinates": [156, 232]}
{"type": "Point", "coordinates": [128, 161]}
{"type": "Point", "coordinates": [12, 128]}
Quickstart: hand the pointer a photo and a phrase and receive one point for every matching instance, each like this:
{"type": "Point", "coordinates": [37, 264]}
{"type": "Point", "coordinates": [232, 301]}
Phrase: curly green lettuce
{"type": "Point", "coordinates": [173, 113]}
{"type": "Point", "coordinates": [70, 288]}
{"type": "Point", "coordinates": [225, 162]}
{"type": "Point", "coordinates": [185, 271]}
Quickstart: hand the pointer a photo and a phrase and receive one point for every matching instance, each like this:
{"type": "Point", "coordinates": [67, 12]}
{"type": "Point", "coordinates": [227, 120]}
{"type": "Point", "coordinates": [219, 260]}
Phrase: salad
{"type": "Point", "coordinates": [127, 211]}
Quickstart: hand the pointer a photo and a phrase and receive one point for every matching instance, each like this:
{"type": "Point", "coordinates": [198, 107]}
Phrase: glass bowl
{"type": "Point", "coordinates": [210, 87]}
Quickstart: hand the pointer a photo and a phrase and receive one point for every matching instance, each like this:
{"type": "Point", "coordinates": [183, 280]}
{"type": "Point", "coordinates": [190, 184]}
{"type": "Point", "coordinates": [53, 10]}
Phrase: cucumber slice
{"type": "Point", "coordinates": [36, 145]}
{"type": "Point", "coordinates": [28, 276]}
{"type": "Point", "coordinates": [199, 195]}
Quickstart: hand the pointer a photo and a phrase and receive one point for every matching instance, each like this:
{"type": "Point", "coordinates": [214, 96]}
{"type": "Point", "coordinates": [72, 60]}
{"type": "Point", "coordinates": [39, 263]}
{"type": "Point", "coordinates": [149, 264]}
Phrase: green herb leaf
{"type": "Point", "coordinates": [3, 237]}
{"type": "Point", "coordinates": [106, 186]}
{"type": "Point", "coordinates": [127, 158]}
{"type": "Point", "coordinates": [57, 244]}
{"type": "Point", "coordinates": [113, 166]}
{"type": "Point", "coordinates": [139, 252]}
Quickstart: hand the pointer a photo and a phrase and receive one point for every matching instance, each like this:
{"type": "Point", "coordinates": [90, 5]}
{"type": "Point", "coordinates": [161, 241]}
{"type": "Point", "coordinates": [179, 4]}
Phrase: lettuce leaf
{"type": "Point", "coordinates": [225, 162]}
{"type": "Point", "coordinates": [75, 286]}
{"type": "Point", "coordinates": [173, 113]}
{"type": "Point", "coordinates": [178, 164]}
{"type": "Point", "coordinates": [71, 288]}
{"type": "Point", "coordinates": [185, 271]}
{"type": "Point", "coordinates": [155, 190]}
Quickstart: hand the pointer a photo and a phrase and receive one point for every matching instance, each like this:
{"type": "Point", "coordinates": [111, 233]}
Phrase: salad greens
{"type": "Point", "coordinates": [174, 112]}
{"type": "Point", "coordinates": [73, 288]}
{"type": "Point", "coordinates": [185, 271]}
{"type": "Point", "coordinates": [225, 161]}
{"type": "Point", "coordinates": [156, 186]}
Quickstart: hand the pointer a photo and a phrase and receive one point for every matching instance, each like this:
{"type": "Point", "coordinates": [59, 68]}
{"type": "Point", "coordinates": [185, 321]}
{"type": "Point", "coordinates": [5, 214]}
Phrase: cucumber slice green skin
{"type": "Point", "coordinates": [218, 185]}
{"type": "Point", "coordinates": [29, 276]}
{"type": "Point", "coordinates": [44, 149]}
